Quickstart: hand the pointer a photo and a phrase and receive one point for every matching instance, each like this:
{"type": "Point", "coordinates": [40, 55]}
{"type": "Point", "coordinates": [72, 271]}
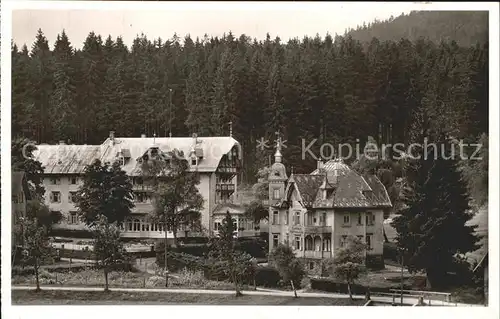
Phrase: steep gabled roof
{"type": "Point", "coordinates": [348, 188]}
{"type": "Point", "coordinates": [378, 196]}
{"type": "Point", "coordinates": [308, 186]}
{"type": "Point", "coordinates": [72, 159]}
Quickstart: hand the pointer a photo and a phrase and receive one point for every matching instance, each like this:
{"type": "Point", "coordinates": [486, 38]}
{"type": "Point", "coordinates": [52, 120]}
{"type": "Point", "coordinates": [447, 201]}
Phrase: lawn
{"type": "Point", "coordinates": [95, 278]}
{"type": "Point", "coordinates": [25, 297]}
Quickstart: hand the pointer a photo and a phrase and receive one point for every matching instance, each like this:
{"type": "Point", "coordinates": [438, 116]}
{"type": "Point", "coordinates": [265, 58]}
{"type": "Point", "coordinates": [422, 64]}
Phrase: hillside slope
{"type": "Point", "coordinates": [465, 27]}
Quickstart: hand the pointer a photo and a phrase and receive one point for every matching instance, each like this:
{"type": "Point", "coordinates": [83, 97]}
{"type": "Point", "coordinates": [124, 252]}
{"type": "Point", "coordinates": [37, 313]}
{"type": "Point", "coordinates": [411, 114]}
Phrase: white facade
{"type": "Point", "coordinates": [214, 158]}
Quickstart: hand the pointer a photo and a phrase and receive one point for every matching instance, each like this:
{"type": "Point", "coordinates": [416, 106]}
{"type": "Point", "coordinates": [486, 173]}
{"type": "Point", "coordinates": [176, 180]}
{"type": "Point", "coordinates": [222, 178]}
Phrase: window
{"type": "Point", "coordinates": [129, 225]}
{"type": "Point", "coordinates": [275, 217]}
{"type": "Point", "coordinates": [147, 227]}
{"type": "Point", "coordinates": [370, 219]}
{"type": "Point", "coordinates": [73, 218]}
{"type": "Point", "coordinates": [347, 220]}
{"type": "Point", "coordinates": [309, 243]}
{"type": "Point", "coordinates": [143, 227]}
{"type": "Point", "coordinates": [311, 266]}
{"type": "Point", "coordinates": [369, 241]}
{"type": "Point", "coordinates": [72, 197]}
{"type": "Point", "coordinates": [297, 218]}
{"type": "Point", "coordinates": [235, 225]}
{"type": "Point", "coordinates": [160, 227]}
{"type": "Point", "coordinates": [21, 198]}
{"type": "Point", "coordinates": [55, 181]}
{"type": "Point", "coordinates": [73, 180]}
{"type": "Point", "coordinates": [360, 219]}
{"type": "Point", "coordinates": [360, 237]}
{"type": "Point", "coordinates": [322, 219]}
{"type": "Point", "coordinates": [310, 218]}
{"type": "Point", "coordinates": [297, 242]}
{"type": "Point", "coordinates": [327, 244]}
{"type": "Point", "coordinates": [276, 240]}
{"type": "Point", "coordinates": [276, 193]}
{"type": "Point", "coordinates": [55, 197]}
{"type": "Point", "coordinates": [194, 161]}
{"type": "Point", "coordinates": [343, 241]}
{"type": "Point", "coordinates": [286, 218]}
{"type": "Point", "coordinates": [217, 226]}
{"type": "Point", "coordinates": [137, 225]}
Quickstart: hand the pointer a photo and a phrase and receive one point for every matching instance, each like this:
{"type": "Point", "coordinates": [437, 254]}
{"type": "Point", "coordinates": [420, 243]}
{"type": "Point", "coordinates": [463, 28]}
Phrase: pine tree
{"type": "Point", "coordinates": [437, 205]}
{"type": "Point", "coordinates": [63, 108]}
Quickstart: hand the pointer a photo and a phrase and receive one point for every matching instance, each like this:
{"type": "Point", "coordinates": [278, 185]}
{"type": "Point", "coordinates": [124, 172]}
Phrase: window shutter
{"type": "Point", "coordinates": [69, 197]}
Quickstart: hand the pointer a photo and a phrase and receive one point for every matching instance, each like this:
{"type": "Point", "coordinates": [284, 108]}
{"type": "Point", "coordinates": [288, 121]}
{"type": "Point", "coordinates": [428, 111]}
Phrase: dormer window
{"type": "Point", "coordinates": [276, 173]}
{"type": "Point", "coordinates": [194, 161]}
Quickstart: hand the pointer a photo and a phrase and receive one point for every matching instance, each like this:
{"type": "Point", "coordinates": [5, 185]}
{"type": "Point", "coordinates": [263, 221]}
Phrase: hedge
{"type": "Point", "coordinates": [72, 233]}
{"type": "Point", "coordinates": [330, 285]}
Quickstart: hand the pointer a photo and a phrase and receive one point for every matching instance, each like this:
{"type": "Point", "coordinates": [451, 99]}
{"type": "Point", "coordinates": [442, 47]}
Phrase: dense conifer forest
{"type": "Point", "coordinates": [333, 88]}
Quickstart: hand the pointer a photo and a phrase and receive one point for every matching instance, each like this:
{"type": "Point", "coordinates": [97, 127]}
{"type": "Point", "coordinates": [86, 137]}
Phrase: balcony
{"type": "Point", "coordinates": [225, 187]}
{"type": "Point", "coordinates": [142, 187]}
{"type": "Point", "coordinates": [312, 229]}
{"type": "Point", "coordinates": [142, 208]}
{"type": "Point", "coordinates": [316, 254]}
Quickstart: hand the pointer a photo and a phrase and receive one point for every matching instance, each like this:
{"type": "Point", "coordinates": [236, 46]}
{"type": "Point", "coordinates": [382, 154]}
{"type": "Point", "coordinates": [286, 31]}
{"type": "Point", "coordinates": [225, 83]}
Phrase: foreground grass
{"type": "Point", "coordinates": [30, 297]}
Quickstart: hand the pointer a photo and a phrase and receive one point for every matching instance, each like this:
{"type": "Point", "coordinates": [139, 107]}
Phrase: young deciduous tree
{"type": "Point", "coordinates": [36, 245]}
{"type": "Point", "coordinates": [290, 268]}
{"type": "Point", "coordinates": [43, 215]}
{"type": "Point", "coordinates": [176, 198]}
{"type": "Point", "coordinates": [106, 190]}
{"type": "Point", "coordinates": [108, 248]}
{"type": "Point", "coordinates": [348, 263]}
{"type": "Point", "coordinates": [238, 265]}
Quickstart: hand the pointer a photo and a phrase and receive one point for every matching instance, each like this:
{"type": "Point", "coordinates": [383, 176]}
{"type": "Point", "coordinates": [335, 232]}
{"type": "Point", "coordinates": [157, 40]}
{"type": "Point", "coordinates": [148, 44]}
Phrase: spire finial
{"type": "Point", "coordinates": [277, 155]}
{"type": "Point", "coordinates": [230, 129]}
{"type": "Point", "coordinates": [154, 137]}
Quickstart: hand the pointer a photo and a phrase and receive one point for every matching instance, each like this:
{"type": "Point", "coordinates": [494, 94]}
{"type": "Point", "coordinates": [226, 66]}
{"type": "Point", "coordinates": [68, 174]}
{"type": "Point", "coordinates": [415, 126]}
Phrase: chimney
{"type": "Point", "coordinates": [143, 135]}
{"type": "Point", "coordinates": [61, 142]}
{"type": "Point", "coordinates": [320, 164]}
{"type": "Point", "coordinates": [195, 139]}
{"type": "Point", "coordinates": [112, 135]}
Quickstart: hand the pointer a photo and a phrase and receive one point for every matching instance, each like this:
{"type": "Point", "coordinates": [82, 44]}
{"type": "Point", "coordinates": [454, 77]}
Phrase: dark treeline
{"type": "Point", "coordinates": [330, 89]}
{"type": "Point", "coordinates": [465, 27]}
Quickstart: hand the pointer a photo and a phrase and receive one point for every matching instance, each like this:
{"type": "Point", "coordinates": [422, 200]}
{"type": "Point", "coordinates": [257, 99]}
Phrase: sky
{"type": "Point", "coordinates": [286, 20]}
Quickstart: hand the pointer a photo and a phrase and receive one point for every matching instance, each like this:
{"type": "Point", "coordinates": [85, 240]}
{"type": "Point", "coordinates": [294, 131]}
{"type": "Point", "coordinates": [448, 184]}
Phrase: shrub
{"type": "Point", "coordinates": [155, 281]}
{"type": "Point", "coordinates": [255, 247]}
{"type": "Point", "coordinates": [178, 261]}
{"type": "Point", "coordinates": [391, 252]}
{"type": "Point", "coordinates": [267, 276]}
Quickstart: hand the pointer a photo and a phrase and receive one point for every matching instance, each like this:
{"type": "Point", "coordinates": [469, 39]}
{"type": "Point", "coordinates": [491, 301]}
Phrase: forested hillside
{"type": "Point", "coordinates": [330, 89]}
{"type": "Point", "coordinates": [465, 27]}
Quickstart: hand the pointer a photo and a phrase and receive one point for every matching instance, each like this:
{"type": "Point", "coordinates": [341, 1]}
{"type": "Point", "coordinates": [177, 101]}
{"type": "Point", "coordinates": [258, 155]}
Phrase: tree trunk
{"type": "Point", "coordinates": [349, 289]}
{"type": "Point", "coordinates": [37, 278]}
{"type": "Point", "coordinates": [165, 251]}
{"type": "Point", "coordinates": [435, 278]}
{"type": "Point", "coordinates": [106, 285]}
{"type": "Point", "coordinates": [237, 287]}
{"type": "Point", "coordinates": [293, 287]}
{"type": "Point", "coordinates": [174, 232]}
